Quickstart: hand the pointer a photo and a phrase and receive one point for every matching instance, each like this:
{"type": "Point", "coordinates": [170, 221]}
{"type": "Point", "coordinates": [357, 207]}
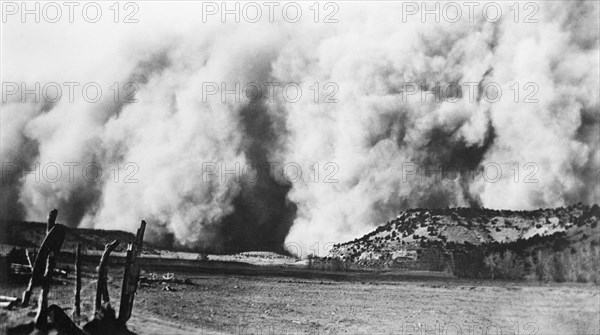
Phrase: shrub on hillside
{"type": "Point", "coordinates": [581, 264]}
{"type": "Point", "coordinates": [433, 259]}
{"type": "Point", "coordinates": [328, 264]}
{"type": "Point", "coordinates": [468, 263]}
{"type": "Point", "coordinates": [505, 265]}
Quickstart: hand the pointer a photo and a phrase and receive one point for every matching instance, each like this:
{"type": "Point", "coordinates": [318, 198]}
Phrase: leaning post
{"type": "Point", "coordinates": [51, 245]}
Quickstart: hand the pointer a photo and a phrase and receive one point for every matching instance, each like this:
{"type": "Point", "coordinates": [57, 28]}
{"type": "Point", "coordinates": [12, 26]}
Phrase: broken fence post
{"type": "Point", "coordinates": [102, 285]}
{"type": "Point", "coordinates": [51, 245]}
{"type": "Point", "coordinates": [30, 258]}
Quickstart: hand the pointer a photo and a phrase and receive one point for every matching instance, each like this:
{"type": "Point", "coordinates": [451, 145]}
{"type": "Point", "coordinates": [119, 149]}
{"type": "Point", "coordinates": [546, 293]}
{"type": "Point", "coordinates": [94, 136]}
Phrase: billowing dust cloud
{"type": "Point", "coordinates": [380, 123]}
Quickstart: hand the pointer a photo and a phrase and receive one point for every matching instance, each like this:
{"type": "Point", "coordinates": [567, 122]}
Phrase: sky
{"type": "Point", "coordinates": [364, 110]}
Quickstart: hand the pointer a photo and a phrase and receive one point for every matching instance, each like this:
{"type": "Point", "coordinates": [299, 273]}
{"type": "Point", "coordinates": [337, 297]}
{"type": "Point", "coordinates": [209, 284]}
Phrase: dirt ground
{"type": "Point", "coordinates": [256, 304]}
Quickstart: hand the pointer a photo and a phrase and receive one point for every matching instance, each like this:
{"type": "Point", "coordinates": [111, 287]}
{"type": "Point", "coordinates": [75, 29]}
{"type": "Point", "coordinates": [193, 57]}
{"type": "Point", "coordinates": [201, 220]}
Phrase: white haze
{"type": "Point", "coordinates": [369, 133]}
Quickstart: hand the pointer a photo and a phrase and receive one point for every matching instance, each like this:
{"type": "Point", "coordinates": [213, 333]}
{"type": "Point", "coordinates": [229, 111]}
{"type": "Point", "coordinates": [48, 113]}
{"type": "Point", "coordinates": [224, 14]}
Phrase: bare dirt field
{"type": "Point", "coordinates": [303, 302]}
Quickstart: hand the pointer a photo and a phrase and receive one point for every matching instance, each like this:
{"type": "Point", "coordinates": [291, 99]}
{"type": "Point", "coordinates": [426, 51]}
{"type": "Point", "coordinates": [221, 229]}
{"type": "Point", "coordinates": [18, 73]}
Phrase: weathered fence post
{"type": "Point", "coordinates": [77, 312]}
{"type": "Point", "coordinates": [131, 275]}
{"type": "Point", "coordinates": [41, 319]}
{"type": "Point", "coordinates": [51, 220]}
{"type": "Point", "coordinates": [102, 285]}
{"type": "Point", "coordinates": [50, 246]}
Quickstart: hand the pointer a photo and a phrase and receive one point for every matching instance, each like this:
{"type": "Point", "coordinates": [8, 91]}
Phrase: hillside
{"type": "Point", "coordinates": [438, 239]}
{"type": "Point", "coordinates": [31, 235]}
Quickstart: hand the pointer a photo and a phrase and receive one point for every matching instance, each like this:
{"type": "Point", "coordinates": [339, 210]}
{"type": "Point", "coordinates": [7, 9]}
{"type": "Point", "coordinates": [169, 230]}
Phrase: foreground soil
{"type": "Point", "coordinates": [315, 304]}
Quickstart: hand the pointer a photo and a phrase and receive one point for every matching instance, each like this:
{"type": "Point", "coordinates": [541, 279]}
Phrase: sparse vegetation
{"type": "Point", "coordinates": [505, 265]}
{"type": "Point", "coordinates": [558, 244]}
{"type": "Point", "coordinates": [580, 264]}
{"type": "Point", "coordinates": [328, 264]}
